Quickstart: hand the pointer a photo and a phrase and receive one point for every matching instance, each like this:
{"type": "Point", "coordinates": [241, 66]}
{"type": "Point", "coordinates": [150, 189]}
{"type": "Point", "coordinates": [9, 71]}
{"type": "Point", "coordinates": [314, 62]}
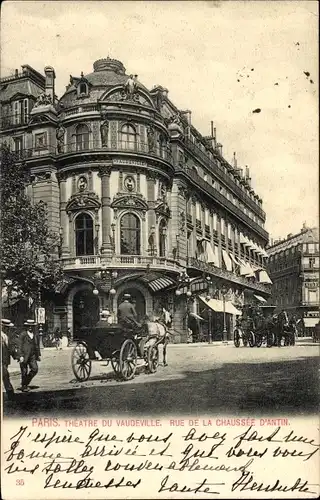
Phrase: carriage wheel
{"type": "Point", "coordinates": [152, 358]}
{"type": "Point", "coordinates": [270, 339]}
{"type": "Point", "coordinates": [115, 362]}
{"type": "Point", "coordinates": [259, 340]}
{"type": "Point", "coordinates": [128, 359]}
{"type": "Point", "coordinates": [81, 362]}
{"type": "Point", "coordinates": [252, 339]}
{"type": "Point", "coordinates": [236, 339]}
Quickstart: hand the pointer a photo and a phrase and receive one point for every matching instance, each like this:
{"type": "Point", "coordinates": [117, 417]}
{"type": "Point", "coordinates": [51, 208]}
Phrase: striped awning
{"type": "Point", "coordinates": [160, 283]}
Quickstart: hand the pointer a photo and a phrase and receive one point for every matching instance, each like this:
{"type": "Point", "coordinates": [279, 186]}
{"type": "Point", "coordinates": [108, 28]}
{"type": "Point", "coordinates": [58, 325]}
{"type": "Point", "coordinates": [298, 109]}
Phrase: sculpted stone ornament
{"type": "Point", "coordinates": [43, 100]}
{"type": "Point", "coordinates": [130, 89]}
{"type": "Point", "coordinates": [82, 200]}
{"type": "Point", "coordinates": [175, 126]}
{"type": "Point", "coordinates": [151, 139]}
{"type": "Point", "coordinates": [60, 133]}
{"type": "Point", "coordinates": [104, 130]}
{"type": "Point", "coordinates": [82, 183]}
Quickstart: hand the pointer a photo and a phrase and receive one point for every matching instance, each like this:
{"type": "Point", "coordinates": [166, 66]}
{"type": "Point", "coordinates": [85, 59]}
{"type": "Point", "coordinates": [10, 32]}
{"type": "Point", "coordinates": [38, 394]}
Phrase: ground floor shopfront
{"type": "Point", "coordinates": [209, 309]}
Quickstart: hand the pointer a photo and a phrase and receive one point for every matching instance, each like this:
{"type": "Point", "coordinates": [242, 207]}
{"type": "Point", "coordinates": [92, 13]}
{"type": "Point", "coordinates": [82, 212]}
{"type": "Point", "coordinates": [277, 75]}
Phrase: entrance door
{"type": "Point", "coordinates": [138, 301]}
{"type": "Point", "coordinates": [85, 310]}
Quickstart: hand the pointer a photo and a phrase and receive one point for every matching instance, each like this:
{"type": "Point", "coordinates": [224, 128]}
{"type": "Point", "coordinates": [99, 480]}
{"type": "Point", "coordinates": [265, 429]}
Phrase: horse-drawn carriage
{"type": "Point", "coordinates": [122, 346]}
{"type": "Point", "coordinates": [260, 326]}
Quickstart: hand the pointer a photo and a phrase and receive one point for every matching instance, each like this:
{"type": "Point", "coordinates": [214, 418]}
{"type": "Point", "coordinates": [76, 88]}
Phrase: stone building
{"type": "Point", "coordinates": [293, 265]}
{"type": "Point", "coordinates": [142, 202]}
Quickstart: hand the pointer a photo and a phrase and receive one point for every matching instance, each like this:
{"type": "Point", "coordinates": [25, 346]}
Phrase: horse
{"type": "Point", "coordinates": [159, 332]}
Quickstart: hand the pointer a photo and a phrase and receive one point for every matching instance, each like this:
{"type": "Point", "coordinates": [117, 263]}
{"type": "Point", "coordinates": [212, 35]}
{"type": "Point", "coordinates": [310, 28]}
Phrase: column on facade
{"type": "Point", "coordinates": [178, 221]}
{"type": "Point", "coordinates": [105, 172]}
{"type": "Point", "coordinates": [64, 219]}
{"type": "Point", "coordinates": [219, 240]}
{"type": "Point", "coordinates": [151, 218]}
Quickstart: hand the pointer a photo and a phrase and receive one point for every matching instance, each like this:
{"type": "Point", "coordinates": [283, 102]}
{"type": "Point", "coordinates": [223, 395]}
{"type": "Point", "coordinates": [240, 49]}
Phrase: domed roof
{"type": "Point", "coordinates": [106, 73]}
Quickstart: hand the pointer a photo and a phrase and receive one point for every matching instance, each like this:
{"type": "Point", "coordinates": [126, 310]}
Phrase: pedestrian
{"type": "Point", "coordinates": [6, 355]}
{"type": "Point", "coordinates": [29, 354]}
{"type": "Point", "coordinates": [69, 335]}
{"type": "Point", "coordinates": [57, 338]}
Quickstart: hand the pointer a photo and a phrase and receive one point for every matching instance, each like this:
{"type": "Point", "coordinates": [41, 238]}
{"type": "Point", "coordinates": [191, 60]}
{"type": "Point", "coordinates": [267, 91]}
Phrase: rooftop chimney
{"type": "Point", "coordinates": [234, 160]}
{"type": "Point", "coordinates": [187, 114]}
{"type": "Point", "coordinates": [50, 78]}
{"type": "Point", "coordinates": [16, 73]}
{"type": "Point", "coordinates": [213, 136]}
{"type": "Point", "coordinates": [219, 148]}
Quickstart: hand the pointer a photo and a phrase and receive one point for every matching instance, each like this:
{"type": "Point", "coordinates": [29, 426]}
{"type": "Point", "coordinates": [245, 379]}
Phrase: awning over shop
{"type": "Point", "coordinates": [214, 304]}
{"type": "Point", "coordinates": [230, 309]}
{"type": "Point", "coordinates": [158, 283]}
{"type": "Point", "coordinates": [227, 260]}
{"type": "Point", "coordinates": [264, 277]}
{"type": "Point", "coordinates": [310, 322]}
{"type": "Point", "coordinates": [261, 299]}
{"type": "Point", "coordinates": [196, 316]}
{"type": "Point", "coordinates": [217, 306]}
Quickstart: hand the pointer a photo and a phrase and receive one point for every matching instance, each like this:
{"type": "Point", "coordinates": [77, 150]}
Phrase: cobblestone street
{"type": "Point", "coordinates": [200, 379]}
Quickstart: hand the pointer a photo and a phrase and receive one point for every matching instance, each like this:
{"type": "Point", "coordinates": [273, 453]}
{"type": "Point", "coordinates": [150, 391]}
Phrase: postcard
{"type": "Point", "coordinates": [159, 250]}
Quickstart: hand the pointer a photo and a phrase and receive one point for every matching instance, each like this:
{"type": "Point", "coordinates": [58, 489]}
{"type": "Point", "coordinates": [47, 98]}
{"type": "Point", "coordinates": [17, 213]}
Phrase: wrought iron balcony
{"type": "Point", "coordinates": [227, 275]}
{"type": "Point", "coordinates": [222, 200]}
{"type": "Point", "coordinates": [227, 179]}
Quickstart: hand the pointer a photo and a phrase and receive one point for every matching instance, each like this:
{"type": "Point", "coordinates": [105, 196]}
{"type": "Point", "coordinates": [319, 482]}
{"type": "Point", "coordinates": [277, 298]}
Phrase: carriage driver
{"type": "Point", "coordinates": [127, 315]}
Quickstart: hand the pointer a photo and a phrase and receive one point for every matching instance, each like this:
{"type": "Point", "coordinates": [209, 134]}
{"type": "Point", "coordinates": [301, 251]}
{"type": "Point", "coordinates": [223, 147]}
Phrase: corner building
{"type": "Point", "coordinates": [142, 202]}
{"type": "Point", "coordinates": [293, 264]}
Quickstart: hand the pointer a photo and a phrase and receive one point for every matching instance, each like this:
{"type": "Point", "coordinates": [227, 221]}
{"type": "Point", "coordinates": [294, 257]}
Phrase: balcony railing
{"type": "Point", "coordinates": [119, 261]}
{"type": "Point", "coordinates": [83, 146]}
{"type": "Point", "coordinates": [225, 178]}
{"type": "Point", "coordinates": [214, 193]}
{"type": "Point", "coordinates": [227, 275]}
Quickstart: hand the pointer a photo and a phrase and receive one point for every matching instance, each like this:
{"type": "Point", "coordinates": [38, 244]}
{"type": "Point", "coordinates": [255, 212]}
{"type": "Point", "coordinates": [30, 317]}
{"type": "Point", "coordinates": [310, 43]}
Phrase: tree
{"type": "Point", "coordinates": [28, 248]}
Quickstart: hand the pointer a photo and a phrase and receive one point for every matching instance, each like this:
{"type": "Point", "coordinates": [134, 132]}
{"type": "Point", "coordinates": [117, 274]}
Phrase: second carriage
{"type": "Point", "coordinates": [121, 346]}
{"type": "Point", "coordinates": [259, 325]}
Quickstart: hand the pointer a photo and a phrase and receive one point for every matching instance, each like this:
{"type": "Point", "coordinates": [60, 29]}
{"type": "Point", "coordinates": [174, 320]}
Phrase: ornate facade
{"type": "Point", "coordinates": [141, 200]}
{"type": "Point", "coordinates": [293, 264]}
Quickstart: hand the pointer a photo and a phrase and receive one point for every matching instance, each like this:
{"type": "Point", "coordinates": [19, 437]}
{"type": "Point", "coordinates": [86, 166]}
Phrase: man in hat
{"type": "Point", "coordinates": [29, 354]}
{"type": "Point", "coordinates": [127, 315]}
{"type": "Point", "coordinates": [6, 355]}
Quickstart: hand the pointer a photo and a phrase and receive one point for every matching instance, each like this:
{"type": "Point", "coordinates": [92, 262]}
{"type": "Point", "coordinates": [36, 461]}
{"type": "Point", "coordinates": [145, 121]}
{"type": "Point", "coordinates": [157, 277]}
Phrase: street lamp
{"type": "Point", "coordinates": [224, 292]}
{"type": "Point", "coordinates": [208, 297]}
{"type": "Point", "coordinates": [113, 229]}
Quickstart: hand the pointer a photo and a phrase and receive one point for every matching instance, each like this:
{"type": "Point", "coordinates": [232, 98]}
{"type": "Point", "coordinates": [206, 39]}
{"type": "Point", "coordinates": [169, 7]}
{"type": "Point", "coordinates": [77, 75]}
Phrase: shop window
{"type": "Point", "coordinates": [130, 235]}
{"type": "Point", "coordinates": [84, 234]}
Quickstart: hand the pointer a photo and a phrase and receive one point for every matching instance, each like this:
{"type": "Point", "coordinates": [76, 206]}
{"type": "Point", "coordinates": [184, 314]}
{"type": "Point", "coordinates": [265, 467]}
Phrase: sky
{"type": "Point", "coordinates": [220, 59]}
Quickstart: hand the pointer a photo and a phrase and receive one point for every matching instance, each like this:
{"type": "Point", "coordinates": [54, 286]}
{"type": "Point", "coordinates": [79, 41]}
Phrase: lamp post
{"type": "Point", "coordinates": [208, 297]}
{"type": "Point", "coordinates": [182, 281]}
{"type": "Point", "coordinates": [113, 229]}
{"type": "Point", "coordinates": [224, 292]}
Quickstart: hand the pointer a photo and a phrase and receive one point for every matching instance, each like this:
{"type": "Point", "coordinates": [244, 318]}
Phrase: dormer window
{"type": "Point", "coordinates": [83, 88]}
{"type": "Point", "coordinates": [20, 112]}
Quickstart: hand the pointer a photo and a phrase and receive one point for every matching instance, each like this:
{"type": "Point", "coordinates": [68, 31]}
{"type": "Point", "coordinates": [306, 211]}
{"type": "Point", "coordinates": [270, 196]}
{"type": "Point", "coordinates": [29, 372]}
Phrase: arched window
{"type": "Point", "coordinates": [82, 137]}
{"type": "Point", "coordinates": [162, 238]}
{"type": "Point", "coordinates": [130, 237]}
{"type": "Point", "coordinates": [84, 234]}
{"type": "Point", "coordinates": [128, 137]}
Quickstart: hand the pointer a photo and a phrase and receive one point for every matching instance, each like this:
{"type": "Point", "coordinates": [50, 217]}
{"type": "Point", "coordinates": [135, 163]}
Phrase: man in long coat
{"type": "Point", "coordinates": [5, 356]}
{"type": "Point", "coordinates": [29, 354]}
